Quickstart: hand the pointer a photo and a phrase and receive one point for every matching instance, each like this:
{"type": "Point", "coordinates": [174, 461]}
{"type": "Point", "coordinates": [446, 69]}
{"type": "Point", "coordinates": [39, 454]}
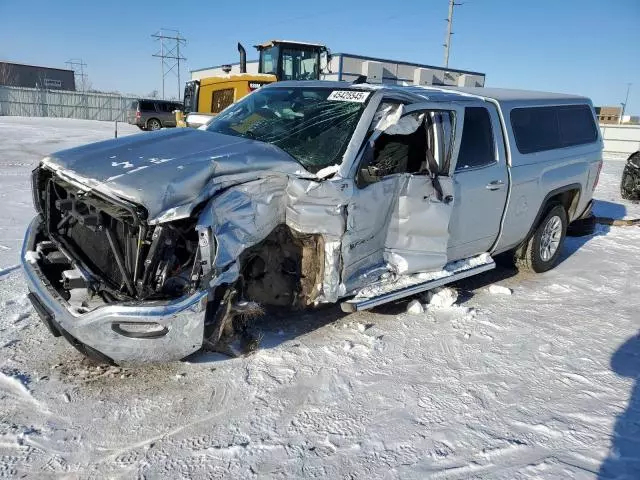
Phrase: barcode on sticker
{"type": "Point", "coordinates": [348, 96]}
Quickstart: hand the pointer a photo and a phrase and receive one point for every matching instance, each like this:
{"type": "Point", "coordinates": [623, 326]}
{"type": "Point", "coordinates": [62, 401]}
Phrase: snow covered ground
{"type": "Point", "coordinates": [543, 383]}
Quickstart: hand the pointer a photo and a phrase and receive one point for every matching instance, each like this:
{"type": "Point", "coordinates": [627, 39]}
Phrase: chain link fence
{"type": "Point", "coordinates": [34, 102]}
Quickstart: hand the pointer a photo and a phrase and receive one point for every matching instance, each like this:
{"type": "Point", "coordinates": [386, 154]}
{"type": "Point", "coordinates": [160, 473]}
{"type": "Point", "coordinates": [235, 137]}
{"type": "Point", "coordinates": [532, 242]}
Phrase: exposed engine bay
{"type": "Point", "coordinates": [116, 255]}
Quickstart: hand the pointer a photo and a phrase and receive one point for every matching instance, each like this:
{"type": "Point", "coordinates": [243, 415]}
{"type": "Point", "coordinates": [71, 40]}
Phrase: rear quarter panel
{"type": "Point", "coordinates": [534, 176]}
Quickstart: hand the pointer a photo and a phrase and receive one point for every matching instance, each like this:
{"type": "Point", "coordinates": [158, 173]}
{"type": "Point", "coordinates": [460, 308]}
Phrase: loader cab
{"type": "Point", "coordinates": [292, 60]}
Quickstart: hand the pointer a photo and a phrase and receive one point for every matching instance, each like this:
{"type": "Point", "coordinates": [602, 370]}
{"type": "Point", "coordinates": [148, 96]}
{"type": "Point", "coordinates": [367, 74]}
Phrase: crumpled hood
{"type": "Point", "coordinates": [170, 171]}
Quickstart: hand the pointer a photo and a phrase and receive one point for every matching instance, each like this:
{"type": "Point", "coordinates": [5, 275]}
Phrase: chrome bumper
{"type": "Point", "coordinates": [183, 319]}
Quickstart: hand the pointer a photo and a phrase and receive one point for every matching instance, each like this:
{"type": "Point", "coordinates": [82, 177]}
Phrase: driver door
{"type": "Point", "coordinates": [398, 217]}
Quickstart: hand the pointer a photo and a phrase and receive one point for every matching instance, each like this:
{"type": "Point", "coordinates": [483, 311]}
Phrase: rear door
{"type": "Point", "coordinates": [481, 183]}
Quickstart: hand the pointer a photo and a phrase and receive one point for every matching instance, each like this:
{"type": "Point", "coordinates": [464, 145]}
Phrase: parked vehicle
{"type": "Point", "coordinates": [630, 183]}
{"type": "Point", "coordinates": [153, 114]}
{"type": "Point", "coordinates": [147, 248]}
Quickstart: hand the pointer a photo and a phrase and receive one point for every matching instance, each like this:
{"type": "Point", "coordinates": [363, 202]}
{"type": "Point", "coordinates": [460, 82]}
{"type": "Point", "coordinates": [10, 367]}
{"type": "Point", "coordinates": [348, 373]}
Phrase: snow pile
{"type": "Point", "coordinates": [437, 299]}
{"type": "Point", "coordinates": [499, 290]}
{"type": "Point", "coordinates": [31, 256]}
{"type": "Point", "coordinates": [415, 308]}
{"type": "Point", "coordinates": [442, 297]}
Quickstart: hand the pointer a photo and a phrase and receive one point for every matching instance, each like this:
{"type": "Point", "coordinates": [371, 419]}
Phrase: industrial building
{"type": "Point", "coordinates": [348, 67]}
{"type": "Point", "coordinates": [611, 115]}
{"type": "Point", "coordinates": [32, 76]}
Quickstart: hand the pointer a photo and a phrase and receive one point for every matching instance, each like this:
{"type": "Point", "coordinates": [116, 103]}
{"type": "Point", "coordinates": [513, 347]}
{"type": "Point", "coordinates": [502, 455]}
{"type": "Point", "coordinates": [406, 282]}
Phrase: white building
{"type": "Point", "coordinates": [348, 67]}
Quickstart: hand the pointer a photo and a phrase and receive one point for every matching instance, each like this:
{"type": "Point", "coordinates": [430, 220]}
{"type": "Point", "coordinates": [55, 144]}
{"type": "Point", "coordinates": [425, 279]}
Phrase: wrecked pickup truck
{"type": "Point", "coordinates": [153, 246]}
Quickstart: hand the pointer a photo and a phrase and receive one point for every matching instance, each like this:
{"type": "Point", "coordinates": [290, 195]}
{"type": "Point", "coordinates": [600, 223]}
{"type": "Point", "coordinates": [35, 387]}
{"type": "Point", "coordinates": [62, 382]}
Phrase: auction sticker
{"type": "Point", "coordinates": [348, 96]}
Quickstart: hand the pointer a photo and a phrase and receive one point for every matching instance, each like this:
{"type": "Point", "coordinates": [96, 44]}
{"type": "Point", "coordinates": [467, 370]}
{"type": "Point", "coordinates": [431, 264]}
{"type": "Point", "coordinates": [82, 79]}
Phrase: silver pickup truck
{"type": "Point", "coordinates": [153, 246]}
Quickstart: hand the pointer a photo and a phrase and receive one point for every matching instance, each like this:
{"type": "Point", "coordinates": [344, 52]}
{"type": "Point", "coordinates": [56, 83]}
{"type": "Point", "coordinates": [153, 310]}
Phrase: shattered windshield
{"type": "Point", "coordinates": [313, 125]}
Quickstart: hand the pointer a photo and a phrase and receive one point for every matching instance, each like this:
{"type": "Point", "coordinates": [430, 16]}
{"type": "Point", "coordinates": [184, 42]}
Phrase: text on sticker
{"type": "Point", "coordinates": [348, 96]}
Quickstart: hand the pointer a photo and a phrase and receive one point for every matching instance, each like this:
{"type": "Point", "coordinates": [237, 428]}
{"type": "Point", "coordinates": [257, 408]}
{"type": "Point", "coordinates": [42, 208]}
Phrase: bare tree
{"type": "Point", "coordinates": [7, 74]}
{"type": "Point", "coordinates": [153, 94]}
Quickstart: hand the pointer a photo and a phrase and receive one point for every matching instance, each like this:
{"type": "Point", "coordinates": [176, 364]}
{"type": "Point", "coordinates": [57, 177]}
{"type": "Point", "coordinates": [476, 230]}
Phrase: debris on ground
{"type": "Point", "coordinates": [499, 290]}
{"type": "Point", "coordinates": [443, 297]}
{"type": "Point", "coordinates": [415, 307]}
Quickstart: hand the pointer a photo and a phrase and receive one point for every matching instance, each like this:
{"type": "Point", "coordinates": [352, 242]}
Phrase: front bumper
{"type": "Point", "coordinates": [182, 318]}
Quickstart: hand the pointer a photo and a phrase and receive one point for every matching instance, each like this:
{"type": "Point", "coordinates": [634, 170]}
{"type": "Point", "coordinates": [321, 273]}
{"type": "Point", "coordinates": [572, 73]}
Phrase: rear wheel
{"type": "Point", "coordinates": [154, 124]}
{"type": "Point", "coordinates": [542, 250]}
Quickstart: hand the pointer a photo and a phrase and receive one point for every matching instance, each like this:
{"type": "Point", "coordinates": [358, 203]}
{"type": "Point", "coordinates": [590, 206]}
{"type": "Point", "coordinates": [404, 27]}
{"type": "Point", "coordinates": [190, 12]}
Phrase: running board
{"type": "Point", "coordinates": [356, 304]}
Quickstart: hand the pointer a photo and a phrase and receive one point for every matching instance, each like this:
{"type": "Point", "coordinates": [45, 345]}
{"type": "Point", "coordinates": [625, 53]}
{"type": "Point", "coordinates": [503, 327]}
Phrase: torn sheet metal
{"type": "Point", "coordinates": [319, 207]}
{"type": "Point", "coordinates": [239, 218]}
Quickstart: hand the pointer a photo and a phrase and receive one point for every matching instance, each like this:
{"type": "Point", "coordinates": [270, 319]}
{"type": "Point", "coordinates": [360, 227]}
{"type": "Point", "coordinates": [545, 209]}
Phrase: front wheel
{"type": "Point", "coordinates": [542, 251]}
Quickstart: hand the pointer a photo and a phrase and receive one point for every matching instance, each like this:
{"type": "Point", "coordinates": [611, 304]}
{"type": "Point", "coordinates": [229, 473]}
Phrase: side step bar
{"type": "Point", "coordinates": [355, 304]}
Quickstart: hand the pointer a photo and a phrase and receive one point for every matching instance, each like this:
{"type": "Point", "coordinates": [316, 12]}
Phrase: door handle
{"type": "Point", "coordinates": [495, 185]}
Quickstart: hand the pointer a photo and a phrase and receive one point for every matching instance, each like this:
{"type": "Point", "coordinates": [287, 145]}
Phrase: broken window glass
{"type": "Point", "coordinates": [313, 125]}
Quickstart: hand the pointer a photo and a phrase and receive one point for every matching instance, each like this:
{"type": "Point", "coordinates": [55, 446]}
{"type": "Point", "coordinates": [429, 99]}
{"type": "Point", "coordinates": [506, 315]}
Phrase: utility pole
{"type": "Point", "coordinates": [447, 38]}
{"type": "Point", "coordinates": [78, 66]}
{"type": "Point", "coordinates": [169, 54]}
{"type": "Point", "coordinates": [624, 105]}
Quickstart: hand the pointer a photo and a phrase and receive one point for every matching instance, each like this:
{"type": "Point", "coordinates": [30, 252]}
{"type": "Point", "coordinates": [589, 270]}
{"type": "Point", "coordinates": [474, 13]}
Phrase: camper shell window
{"type": "Point", "coordinates": [537, 129]}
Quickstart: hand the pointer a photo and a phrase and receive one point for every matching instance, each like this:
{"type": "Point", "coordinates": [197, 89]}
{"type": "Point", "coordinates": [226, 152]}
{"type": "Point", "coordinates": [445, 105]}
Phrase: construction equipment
{"type": "Point", "coordinates": [279, 60]}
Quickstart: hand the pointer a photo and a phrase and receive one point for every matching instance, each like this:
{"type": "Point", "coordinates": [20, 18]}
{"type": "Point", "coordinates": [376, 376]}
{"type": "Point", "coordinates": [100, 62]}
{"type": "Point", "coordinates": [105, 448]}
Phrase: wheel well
{"type": "Point", "coordinates": [568, 199]}
{"type": "Point", "coordinates": [153, 118]}
{"type": "Point", "coordinates": [285, 269]}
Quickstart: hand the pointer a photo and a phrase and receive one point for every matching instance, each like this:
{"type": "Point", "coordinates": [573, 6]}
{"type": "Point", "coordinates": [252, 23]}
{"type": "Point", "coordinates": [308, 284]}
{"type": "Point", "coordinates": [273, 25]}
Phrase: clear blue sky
{"type": "Point", "coordinates": [590, 47]}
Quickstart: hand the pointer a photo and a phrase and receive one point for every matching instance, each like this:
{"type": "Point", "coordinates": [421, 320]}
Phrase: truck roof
{"type": "Point", "coordinates": [271, 43]}
{"type": "Point", "coordinates": [445, 92]}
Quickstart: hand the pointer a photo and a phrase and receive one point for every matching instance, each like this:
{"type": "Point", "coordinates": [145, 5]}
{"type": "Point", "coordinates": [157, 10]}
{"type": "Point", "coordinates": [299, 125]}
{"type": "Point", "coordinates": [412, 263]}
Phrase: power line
{"type": "Point", "coordinates": [447, 38]}
{"type": "Point", "coordinates": [169, 54]}
{"type": "Point", "coordinates": [78, 66]}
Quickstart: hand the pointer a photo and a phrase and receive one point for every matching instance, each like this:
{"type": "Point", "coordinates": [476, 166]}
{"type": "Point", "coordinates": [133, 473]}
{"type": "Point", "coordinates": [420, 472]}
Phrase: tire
{"type": "Point", "coordinates": [582, 227]}
{"type": "Point", "coordinates": [630, 182]}
{"type": "Point", "coordinates": [542, 251]}
{"type": "Point", "coordinates": [153, 124]}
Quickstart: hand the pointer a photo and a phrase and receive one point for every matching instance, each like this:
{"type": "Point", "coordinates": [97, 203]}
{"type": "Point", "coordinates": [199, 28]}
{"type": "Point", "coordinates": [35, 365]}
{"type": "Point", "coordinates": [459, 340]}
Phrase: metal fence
{"type": "Point", "coordinates": [34, 102]}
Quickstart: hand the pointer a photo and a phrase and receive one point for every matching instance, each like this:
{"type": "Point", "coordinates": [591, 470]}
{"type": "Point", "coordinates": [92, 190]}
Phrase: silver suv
{"type": "Point", "coordinates": [153, 114]}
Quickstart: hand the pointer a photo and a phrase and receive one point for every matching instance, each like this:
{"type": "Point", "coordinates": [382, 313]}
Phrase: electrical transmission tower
{"type": "Point", "coordinates": [169, 54]}
{"type": "Point", "coordinates": [78, 66]}
{"type": "Point", "coordinates": [447, 38]}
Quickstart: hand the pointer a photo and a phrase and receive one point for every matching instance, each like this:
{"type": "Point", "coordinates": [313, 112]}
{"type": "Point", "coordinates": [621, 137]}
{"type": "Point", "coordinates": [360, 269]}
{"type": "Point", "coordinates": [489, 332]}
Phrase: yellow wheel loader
{"type": "Point", "coordinates": [279, 60]}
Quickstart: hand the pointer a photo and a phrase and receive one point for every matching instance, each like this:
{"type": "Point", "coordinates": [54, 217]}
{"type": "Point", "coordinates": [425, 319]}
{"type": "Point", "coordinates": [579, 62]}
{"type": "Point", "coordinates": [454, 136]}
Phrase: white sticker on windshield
{"type": "Point", "coordinates": [348, 96]}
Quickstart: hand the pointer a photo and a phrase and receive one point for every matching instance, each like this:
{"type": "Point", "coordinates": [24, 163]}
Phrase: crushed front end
{"type": "Point", "coordinates": [117, 288]}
